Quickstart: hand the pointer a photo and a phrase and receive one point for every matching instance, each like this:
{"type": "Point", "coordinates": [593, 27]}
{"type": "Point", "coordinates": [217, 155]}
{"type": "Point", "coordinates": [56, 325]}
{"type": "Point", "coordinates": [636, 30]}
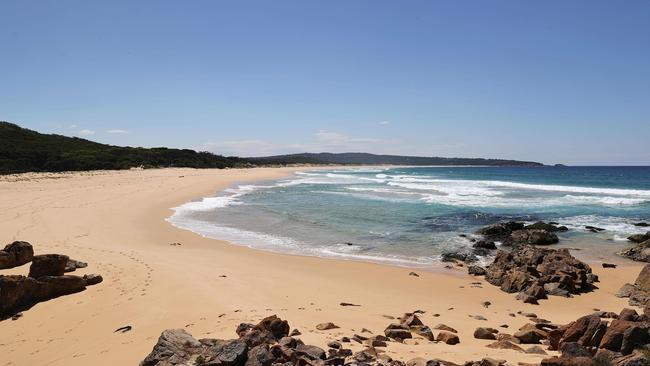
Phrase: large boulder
{"type": "Point", "coordinates": [541, 225]}
{"type": "Point", "coordinates": [586, 331]}
{"type": "Point", "coordinates": [48, 265]}
{"type": "Point", "coordinates": [501, 230]}
{"type": "Point", "coordinates": [16, 254]}
{"type": "Point", "coordinates": [639, 238]}
{"type": "Point", "coordinates": [174, 347]}
{"type": "Point", "coordinates": [639, 292]}
{"type": "Point", "coordinates": [538, 272]}
{"type": "Point", "coordinates": [639, 253]}
{"type": "Point", "coordinates": [531, 237]}
{"type": "Point", "coordinates": [18, 292]}
{"type": "Point", "coordinates": [591, 335]}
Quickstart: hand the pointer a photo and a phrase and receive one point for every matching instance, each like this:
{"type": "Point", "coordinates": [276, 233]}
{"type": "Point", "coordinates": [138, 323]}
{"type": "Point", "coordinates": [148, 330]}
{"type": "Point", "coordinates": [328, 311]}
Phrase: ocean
{"type": "Point", "coordinates": [408, 216]}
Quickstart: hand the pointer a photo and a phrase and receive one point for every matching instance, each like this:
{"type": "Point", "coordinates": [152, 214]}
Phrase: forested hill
{"type": "Point", "coordinates": [371, 159]}
{"type": "Point", "coordinates": [23, 150]}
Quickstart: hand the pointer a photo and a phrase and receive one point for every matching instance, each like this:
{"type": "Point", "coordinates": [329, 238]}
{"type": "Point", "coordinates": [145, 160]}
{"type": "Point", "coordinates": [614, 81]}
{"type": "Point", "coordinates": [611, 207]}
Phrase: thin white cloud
{"type": "Point", "coordinates": [323, 141]}
{"type": "Point", "coordinates": [117, 131]}
{"type": "Point", "coordinates": [383, 123]}
{"type": "Point", "coordinates": [86, 132]}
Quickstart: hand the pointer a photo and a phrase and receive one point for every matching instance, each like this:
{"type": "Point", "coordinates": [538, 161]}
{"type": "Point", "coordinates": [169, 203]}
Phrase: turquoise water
{"type": "Point", "coordinates": [408, 216]}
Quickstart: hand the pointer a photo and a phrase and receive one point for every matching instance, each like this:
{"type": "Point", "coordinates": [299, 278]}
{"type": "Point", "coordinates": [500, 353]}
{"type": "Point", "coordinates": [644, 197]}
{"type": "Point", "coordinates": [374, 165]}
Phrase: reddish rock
{"type": "Point", "coordinates": [16, 254]}
{"type": "Point", "coordinates": [448, 338]}
{"type": "Point", "coordinates": [48, 265]}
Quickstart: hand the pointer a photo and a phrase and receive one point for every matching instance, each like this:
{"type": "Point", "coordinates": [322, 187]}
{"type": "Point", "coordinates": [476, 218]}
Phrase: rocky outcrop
{"type": "Point", "coordinates": [267, 344]}
{"type": "Point", "coordinates": [501, 230]}
{"type": "Point", "coordinates": [48, 265]}
{"type": "Point", "coordinates": [541, 225]}
{"type": "Point", "coordinates": [639, 238]}
{"type": "Point", "coordinates": [408, 326]}
{"type": "Point", "coordinates": [73, 265]}
{"type": "Point", "coordinates": [515, 233]}
{"type": "Point", "coordinates": [538, 272]}
{"type": "Point", "coordinates": [639, 252]}
{"type": "Point", "coordinates": [19, 292]}
{"type": "Point", "coordinates": [639, 292]}
{"type": "Point", "coordinates": [16, 254]}
{"type": "Point", "coordinates": [531, 237]}
{"type": "Point", "coordinates": [46, 278]}
{"type": "Point", "coordinates": [592, 339]}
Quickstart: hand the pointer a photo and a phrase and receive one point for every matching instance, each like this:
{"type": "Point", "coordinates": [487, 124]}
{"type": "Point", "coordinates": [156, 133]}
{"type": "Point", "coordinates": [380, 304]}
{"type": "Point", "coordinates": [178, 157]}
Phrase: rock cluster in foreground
{"type": "Point", "coordinates": [514, 233]}
{"type": "Point", "coordinates": [46, 279]}
{"type": "Point", "coordinates": [639, 292]}
{"type": "Point", "coordinates": [535, 273]}
{"type": "Point", "coordinates": [591, 340]}
{"type": "Point", "coordinates": [268, 343]}
{"type": "Point", "coordinates": [641, 251]}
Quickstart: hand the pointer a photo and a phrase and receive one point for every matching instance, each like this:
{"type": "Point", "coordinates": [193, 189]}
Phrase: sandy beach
{"type": "Point", "coordinates": [115, 221]}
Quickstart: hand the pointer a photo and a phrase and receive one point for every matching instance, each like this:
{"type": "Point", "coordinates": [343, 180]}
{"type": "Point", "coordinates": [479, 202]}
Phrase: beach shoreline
{"type": "Point", "coordinates": [115, 221]}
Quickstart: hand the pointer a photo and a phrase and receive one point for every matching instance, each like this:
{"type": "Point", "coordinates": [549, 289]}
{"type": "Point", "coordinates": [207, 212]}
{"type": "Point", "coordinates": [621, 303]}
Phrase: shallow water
{"type": "Point", "coordinates": [409, 216]}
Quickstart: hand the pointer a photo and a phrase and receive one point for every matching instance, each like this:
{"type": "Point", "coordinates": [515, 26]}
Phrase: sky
{"type": "Point", "coordinates": [550, 81]}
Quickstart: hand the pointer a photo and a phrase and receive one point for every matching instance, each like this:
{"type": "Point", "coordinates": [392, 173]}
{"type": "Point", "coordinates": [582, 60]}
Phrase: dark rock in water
{"type": "Point", "coordinates": [476, 270]}
{"type": "Point", "coordinates": [639, 238]}
{"type": "Point", "coordinates": [16, 254]}
{"type": "Point", "coordinates": [483, 244]}
{"type": "Point", "coordinates": [594, 228]}
{"type": "Point", "coordinates": [541, 225]}
{"type": "Point", "coordinates": [534, 271]}
{"type": "Point", "coordinates": [458, 256]}
{"type": "Point", "coordinates": [532, 237]}
{"type": "Point", "coordinates": [73, 265]}
{"type": "Point", "coordinates": [639, 253]}
{"type": "Point", "coordinates": [501, 230]}
{"type": "Point", "coordinates": [414, 274]}
{"type": "Point", "coordinates": [641, 224]}
{"type": "Point", "coordinates": [608, 265]}
{"type": "Point", "coordinates": [48, 265]}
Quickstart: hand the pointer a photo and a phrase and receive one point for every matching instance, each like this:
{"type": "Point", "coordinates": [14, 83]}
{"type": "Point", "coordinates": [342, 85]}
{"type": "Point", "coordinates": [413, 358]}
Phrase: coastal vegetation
{"type": "Point", "coordinates": [23, 150]}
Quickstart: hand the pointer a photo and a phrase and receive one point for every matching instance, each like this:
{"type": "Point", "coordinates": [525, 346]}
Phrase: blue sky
{"type": "Point", "coordinates": [551, 81]}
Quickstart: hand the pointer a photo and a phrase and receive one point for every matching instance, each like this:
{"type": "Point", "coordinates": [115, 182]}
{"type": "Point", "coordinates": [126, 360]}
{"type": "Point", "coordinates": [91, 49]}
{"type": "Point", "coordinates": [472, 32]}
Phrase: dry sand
{"type": "Point", "coordinates": [115, 221]}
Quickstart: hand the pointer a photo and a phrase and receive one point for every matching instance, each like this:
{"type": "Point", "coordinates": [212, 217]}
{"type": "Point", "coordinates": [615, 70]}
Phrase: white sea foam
{"type": "Point", "coordinates": [526, 186]}
{"type": "Point", "coordinates": [611, 224]}
{"type": "Point", "coordinates": [396, 188]}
